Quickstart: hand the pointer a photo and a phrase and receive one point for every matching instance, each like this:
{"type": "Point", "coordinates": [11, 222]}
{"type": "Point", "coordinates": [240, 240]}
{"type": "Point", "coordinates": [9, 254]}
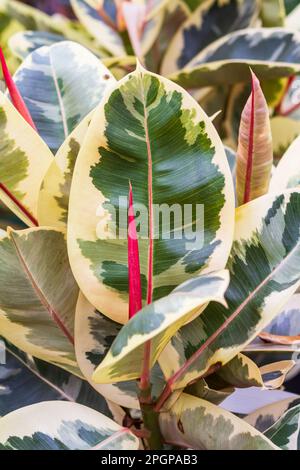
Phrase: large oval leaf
{"type": "Point", "coordinates": [53, 204]}
{"type": "Point", "coordinates": [24, 160]}
{"type": "Point", "coordinates": [157, 323]}
{"type": "Point", "coordinates": [270, 52]}
{"type": "Point", "coordinates": [38, 295]}
{"type": "Point", "coordinates": [264, 274]}
{"type": "Point", "coordinates": [285, 433]}
{"type": "Point", "coordinates": [264, 417]}
{"type": "Point", "coordinates": [210, 21]}
{"type": "Point", "coordinates": [62, 426]}
{"type": "Point", "coordinates": [169, 150]}
{"type": "Point", "coordinates": [24, 382]}
{"type": "Point", "coordinates": [197, 424]}
{"type": "Point", "coordinates": [69, 81]}
{"type": "Point", "coordinates": [25, 42]}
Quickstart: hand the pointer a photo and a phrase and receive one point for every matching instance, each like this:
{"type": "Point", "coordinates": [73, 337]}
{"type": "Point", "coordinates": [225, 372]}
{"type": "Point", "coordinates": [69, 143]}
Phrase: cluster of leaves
{"type": "Point", "coordinates": [157, 337]}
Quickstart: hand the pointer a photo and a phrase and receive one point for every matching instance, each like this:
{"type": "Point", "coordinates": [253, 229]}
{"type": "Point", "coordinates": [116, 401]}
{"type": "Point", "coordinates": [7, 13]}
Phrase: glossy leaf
{"type": "Point", "coordinates": [282, 334]}
{"type": "Point", "coordinates": [53, 203]}
{"type": "Point", "coordinates": [284, 131]}
{"type": "Point", "coordinates": [158, 322]}
{"type": "Point", "coordinates": [255, 150]}
{"type": "Point", "coordinates": [25, 42]}
{"type": "Point", "coordinates": [105, 35]}
{"type": "Point", "coordinates": [69, 82]}
{"type": "Point", "coordinates": [62, 426]}
{"type": "Point", "coordinates": [272, 13]}
{"type": "Point", "coordinates": [274, 374]}
{"type": "Point", "coordinates": [24, 382]}
{"type": "Point", "coordinates": [169, 150]}
{"type": "Point", "coordinates": [265, 416]}
{"type": "Point", "coordinates": [38, 295]}
{"type": "Point", "coordinates": [241, 372]}
{"type": "Point", "coordinates": [286, 431]}
{"type": "Point", "coordinates": [270, 52]}
{"type": "Point", "coordinates": [24, 160]}
{"type": "Point", "coordinates": [210, 21]}
{"type": "Point", "coordinates": [264, 274]}
{"type": "Point", "coordinates": [198, 424]}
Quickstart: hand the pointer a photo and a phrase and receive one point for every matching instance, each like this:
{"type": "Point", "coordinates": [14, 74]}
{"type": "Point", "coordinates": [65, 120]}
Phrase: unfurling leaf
{"type": "Point", "coordinates": [15, 95]}
{"type": "Point", "coordinates": [57, 425]}
{"type": "Point", "coordinates": [134, 272]}
{"type": "Point", "coordinates": [134, 16]}
{"type": "Point", "coordinates": [255, 152]}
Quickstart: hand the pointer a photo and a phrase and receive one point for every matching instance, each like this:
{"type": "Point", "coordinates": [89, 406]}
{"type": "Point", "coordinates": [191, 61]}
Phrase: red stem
{"type": "Point", "coordinates": [134, 273]}
{"type": "Point", "coordinates": [15, 95]}
{"type": "Point", "coordinates": [19, 205]}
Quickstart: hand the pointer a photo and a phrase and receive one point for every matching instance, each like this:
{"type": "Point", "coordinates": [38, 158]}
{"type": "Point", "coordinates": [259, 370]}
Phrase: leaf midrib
{"type": "Point", "coordinates": [40, 294]}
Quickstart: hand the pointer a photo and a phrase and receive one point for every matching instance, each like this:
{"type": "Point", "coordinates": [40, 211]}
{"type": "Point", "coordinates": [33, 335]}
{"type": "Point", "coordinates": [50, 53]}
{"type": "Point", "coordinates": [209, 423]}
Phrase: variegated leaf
{"type": "Point", "coordinates": [57, 425]}
{"type": "Point", "coordinates": [69, 82]}
{"type": "Point", "coordinates": [272, 13]}
{"type": "Point", "coordinates": [163, 135]}
{"type": "Point", "coordinates": [94, 334]}
{"type": "Point", "coordinates": [270, 52]}
{"type": "Point", "coordinates": [255, 150]}
{"type": "Point", "coordinates": [265, 416]}
{"type": "Point", "coordinates": [290, 104]}
{"type": "Point", "coordinates": [285, 433]}
{"type": "Point", "coordinates": [24, 160]}
{"type": "Point", "coordinates": [282, 334]}
{"type": "Point", "coordinates": [264, 274]}
{"type": "Point", "coordinates": [158, 322]}
{"type": "Point", "coordinates": [33, 19]}
{"type": "Point", "coordinates": [274, 374]}
{"type": "Point", "coordinates": [201, 389]}
{"type": "Point", "coordinates": [287, 172]}
{"type": "Point", "coordinates": [241, 372]}
{"type": "Point", "coordinates": [24, 381]}
{"type": "Point", "coordinates": [53, 203]}
{"type": "Point", "coordinates": [102, 23]}
{"type": "Point", "coordinates": [38, 295]}
{"type": "Point", "coordinates": [284, 131]}
{"type": "Point", "coordinates": [210, 21]}
{"type": "Point", "coordinates": [198, 424]}
{"type": "Point", "coordinates": [25, 42]}
{"type": "Point", "coordinates": [106, 36]}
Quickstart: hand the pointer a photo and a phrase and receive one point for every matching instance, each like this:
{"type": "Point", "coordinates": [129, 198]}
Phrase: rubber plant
{"type": "Point", "coordinates": [132, 331]}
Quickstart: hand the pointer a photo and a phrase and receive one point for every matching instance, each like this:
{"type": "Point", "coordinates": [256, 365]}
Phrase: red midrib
{"type": "Point", "coordinates": [250, 150]}
{"type": "Point", "coordinates": [19, 205]}
{"type": "Point", "coordinates": [41, 296]}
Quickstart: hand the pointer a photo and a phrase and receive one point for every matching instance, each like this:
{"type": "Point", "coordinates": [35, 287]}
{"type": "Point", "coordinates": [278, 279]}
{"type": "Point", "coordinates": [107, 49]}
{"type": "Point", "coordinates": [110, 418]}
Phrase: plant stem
{"type": "Point", "coordinates": [151, 420]}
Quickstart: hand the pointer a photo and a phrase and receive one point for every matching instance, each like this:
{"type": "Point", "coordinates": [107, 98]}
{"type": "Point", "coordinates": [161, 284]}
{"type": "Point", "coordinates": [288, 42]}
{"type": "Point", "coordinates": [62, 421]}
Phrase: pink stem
{"type": "Point", "coordinates": [134, 273]}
